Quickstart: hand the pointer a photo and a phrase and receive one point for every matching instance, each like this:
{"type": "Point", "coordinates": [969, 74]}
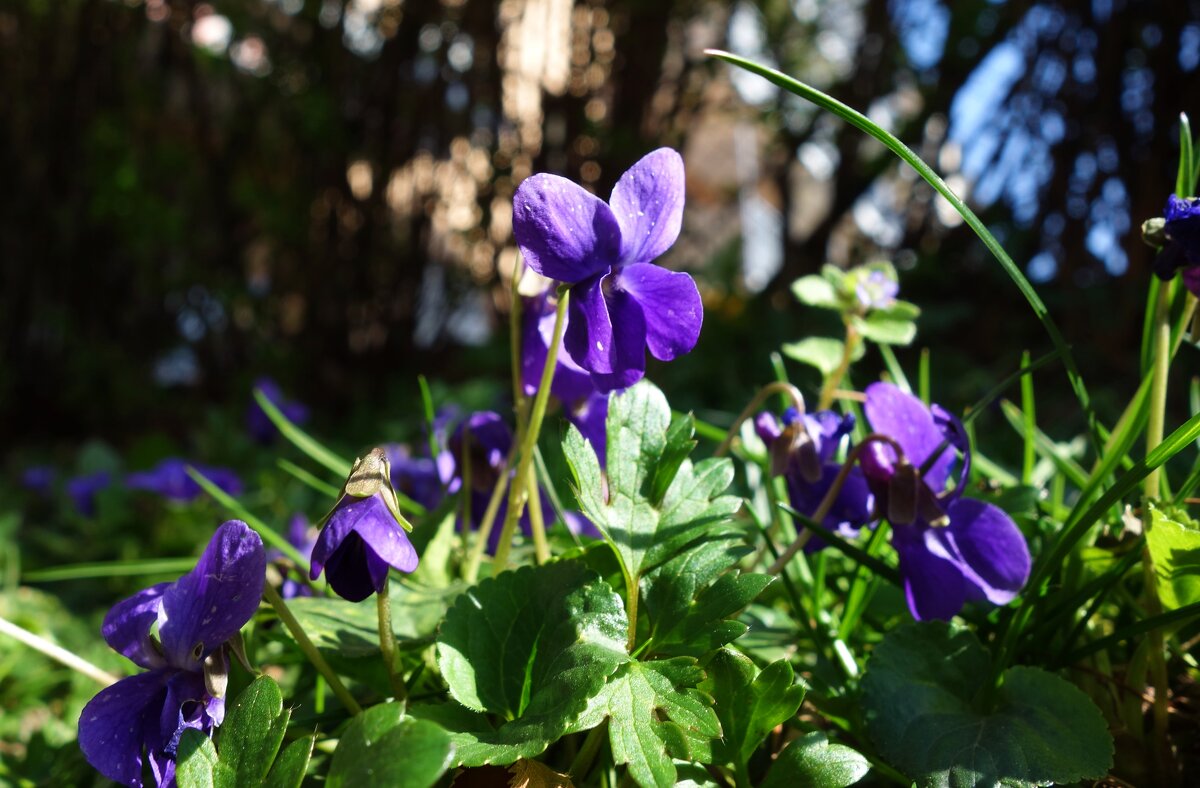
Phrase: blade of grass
{"type": "Point", "coordinates": [1187, 159]}
{"type": "Point", "coordinates": [322, 487]}
{"type": "Point", "coordinates": [1028, 404]}
{"type": "Point", "coordinates": [1133, 630]}
{"type": "Point", "coordinates": [866, 125]}
{"type": "Point", "coordinates": [923, 376]}
{"type": "Point", "coordinates": [153, 566]}
{"type": "Point", "coordinates": [1045, 447]}
{"type": "Point", "coordinates": [427, 406]}
{"type": "Point", "coordinates": [994, 393]}
{"type": "Point", "coordinates": [894, 369]}
{"type": "Point", "coordinates": [301, 439]}
{"type": "Point", "coordinates": [889, 573]}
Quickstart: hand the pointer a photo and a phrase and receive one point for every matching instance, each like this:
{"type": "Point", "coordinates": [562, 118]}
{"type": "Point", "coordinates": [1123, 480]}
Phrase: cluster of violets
{"type": "Point", "coordinates": [952, 549]}
{"type": "Point", "coordinates": [911, 470]}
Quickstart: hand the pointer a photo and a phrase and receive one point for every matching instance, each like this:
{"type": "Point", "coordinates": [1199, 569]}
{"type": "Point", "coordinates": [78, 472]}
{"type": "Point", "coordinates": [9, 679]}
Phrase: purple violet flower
{"type": "Point", "coordinates": [176, 631]}
{"type": "Point", "coordinates": [170, 479]}
{"type": "Point", "coordinates": [621, 303]}
{"type": "Point", "coordinates": [83, 490]}
{"type": "Point", "coordinates": [363, 537]}
{"type": "Point", "coordinates": [802, 450]}
{"type": "Point", "coordinates": [1182, 247]}
{"type": "Point", "coordinates": [583, 404]}
{"type": "Point", "coordinates": [259, 424]}
{"type": "Point", "coordinates": [416, 477]}
{"type": "Point", "coordinates": [302, 537]}
{"type": "Point", "coordinates": [953, 550]}
{"type": "Point", "coordinates": [39, 479]}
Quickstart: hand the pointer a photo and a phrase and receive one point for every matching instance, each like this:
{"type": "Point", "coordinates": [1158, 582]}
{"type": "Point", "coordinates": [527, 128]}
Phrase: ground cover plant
{"type": "Point", "coordinates": [841, 586]}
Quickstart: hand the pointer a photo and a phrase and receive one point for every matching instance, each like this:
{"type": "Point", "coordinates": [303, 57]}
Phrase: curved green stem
{"type": "Point", "coordinates": [57, 653]}
{"type": "Point", "coordinates": [387, 642]}
{"type": "Point", "coordinates": [778, 386]}
{"type": "Point", "coordinates": [520, 488]}
{"type": "Point", "coordinates": [306, 646]}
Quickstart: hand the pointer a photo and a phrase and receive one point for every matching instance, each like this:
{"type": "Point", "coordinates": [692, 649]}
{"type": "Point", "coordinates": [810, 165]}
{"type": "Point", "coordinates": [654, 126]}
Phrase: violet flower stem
{"type": "Point", "coordinates": [830, 384]}
{"type": "Point", "coordinates": [514, 344]}
{"type": "Point", "coordinates": [516, 501]}
{"type": "Point", "coordinates": [830, 496]}
{"type": "Point", "coordinates": [57, 653]}
{"type": "Point", "coordinates": [778, 386]}
{"type": "Point", "coordinates": [306, 645]}
{"type": "Point", "coordinates": [537, 521]}
{"type": "Point", "coordinates": [387, 642]}
{"type": "Point", "coordinates": [1153, 489]}
{"type": "Point", "coordinates": [471, 569]}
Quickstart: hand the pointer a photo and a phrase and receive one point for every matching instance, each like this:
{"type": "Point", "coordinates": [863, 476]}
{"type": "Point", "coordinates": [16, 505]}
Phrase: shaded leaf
{"type": "Point", "coordinates": [197, 764]}
{"type": "Point", "coordinates": [253, 730]}
{"type": "Point", "coordinates": [382, 746]}
{"type": "Point", "coordinates": [531, 646]}
{"type": "Point", "coordinates": [812, 761]}
{"type": "Point", "coordinates": [919, 692]}
{"type": "Point", "coordinates": [352, 628]}
{"type": "Point", "coordinates": [749, 703]}
{"type": "Point", "coordinates": [290, 766]}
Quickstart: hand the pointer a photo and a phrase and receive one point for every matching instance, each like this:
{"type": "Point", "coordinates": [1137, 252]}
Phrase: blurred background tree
{"type": "Point", "coordinates": [199, 193]}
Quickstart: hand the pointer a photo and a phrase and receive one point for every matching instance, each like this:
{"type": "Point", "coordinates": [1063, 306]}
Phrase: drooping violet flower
{"type": "Point", "coordinates": [177, 631]}
{"type": "Point", "coordinates": [481, 442]}
{"type": "Point", "coordinates": [1180, 242]}
{"type": "Point", "coordinates": [621, 303]}
{"type": "Point", "coordinates": [39, 479]}
{"type": "Point", "coordinates": [84, 489]}
{"type": "Point", "coordinates": [365, 535]}
{"type": "Point", "coordinates": [584, 405]}
{"type": "Point", "coordinates": [170, 479]}
{"type": "Point", "coordinates": [952, 549]}
{"type": "Point", "coordinates": [302, 537]}
{"type": "Point", "coordinates": [802, 449]}
{"type": "Point", "coordinates": [416, 477]}
{"type": "Point", "coordinates": [259, 424]}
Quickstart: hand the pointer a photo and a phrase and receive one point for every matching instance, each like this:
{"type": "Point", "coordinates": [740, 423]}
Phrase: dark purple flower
{"type": "Point", "coordinates": [176, 631]}
{"type": "Point", "coordinates": [39, 479]}
{"type": "Point", "coordinates": [1181, 247]}
{"type": "Point", "coordinates": [259, 424]}
{"type": "Point", "coordinates": [170, 479]}
{"type": "Point", "coordinates": [583, 404]}
{"type": "Point", "coordinates": [416, 477]}
{"type": "Point", "coordinates": [362, 538]}
{"type": "Point", "coordinates": [83, 490]}
{"type": "Point", "coordinates": [952, 549]}
{"type": "Point", "coordinates": [621, 303]}
{"type": "Point", "coordinates": [803, 449]}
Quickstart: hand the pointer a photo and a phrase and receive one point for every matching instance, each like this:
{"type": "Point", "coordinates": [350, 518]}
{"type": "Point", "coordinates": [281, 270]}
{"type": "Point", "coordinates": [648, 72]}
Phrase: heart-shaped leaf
{"type": "Point", "coordinates": [920, 694]}
{"type": "Point", "coordinates": [529, 647]}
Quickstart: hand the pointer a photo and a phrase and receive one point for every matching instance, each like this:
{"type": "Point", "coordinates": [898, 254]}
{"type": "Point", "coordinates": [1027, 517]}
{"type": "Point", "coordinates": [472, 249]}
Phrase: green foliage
{"type": "Point", "coordinates": [812, 761]}
{"type": "Point", "coordinates": [1174, 545]}
{"type": "Point", "coordinates": [530, 647]}
{"type": "Point", "coordinates": [650, 502]}
{"type": "Point", "coordinates": [382, 746]}
{"type": "Point", "coordinates": [823, 353]}
{"type": "Point", "coordinates": [749, 702]}
{"type": "Point", "coordinates": [249, 741]}
{"type": "Point", "coordinates": [352, 629]}
{"type": "Point", "coordinates": [925, 694]}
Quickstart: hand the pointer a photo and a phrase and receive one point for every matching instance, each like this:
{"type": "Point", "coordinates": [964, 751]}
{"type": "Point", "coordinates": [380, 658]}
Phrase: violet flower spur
{"type": "Point", "coordinates": [365, 535]}
{"type": "Point", "coordinates": [1181, 242]}
{"type": "Point", "coordinates": [583, 404]}
{"type": "Point", "coordinates": [952, 549]}
{"type": "Point", "coordinates": [621, 304]}
{"type": "Point", "coordinates": [177, 631]}
{"type": "Point", "coordinates": [802, 449]}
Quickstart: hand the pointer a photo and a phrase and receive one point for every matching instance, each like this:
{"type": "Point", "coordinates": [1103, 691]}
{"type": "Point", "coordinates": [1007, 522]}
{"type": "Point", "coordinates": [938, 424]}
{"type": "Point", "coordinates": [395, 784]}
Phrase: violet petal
{"type": "Point", "coordinates": [671, 307]}
{"type": "Point", "coordinates": [648, 204]}
{"type": "Point", "coordinates": [564, 232]}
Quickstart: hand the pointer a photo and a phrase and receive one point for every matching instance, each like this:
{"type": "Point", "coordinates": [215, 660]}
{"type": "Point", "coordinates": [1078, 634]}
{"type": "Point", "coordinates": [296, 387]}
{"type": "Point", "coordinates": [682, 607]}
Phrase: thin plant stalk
{"type": "Point", "coordinates": [776, 387]}
{"type": "Point", "coordinates": [57, 653]}
{"type": "Point", "coordinates": [537, 522]}
{"type": "Point", "coordinates": [306, 646]}
{"type": "Point", "coordinates": [471, 569]}
{"type": "Point", "coordinates": [516, 501]}
{"type": "Point", "coordinates": [387, 642]}
{"type": "Point", "coordinates": [830, 385]}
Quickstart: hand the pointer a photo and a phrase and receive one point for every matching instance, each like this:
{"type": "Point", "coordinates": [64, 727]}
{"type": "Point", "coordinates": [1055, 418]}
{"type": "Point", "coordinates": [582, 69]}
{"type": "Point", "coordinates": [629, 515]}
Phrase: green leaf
{"type": "Point", "coordinates": [253, 730]}
{"type": "Point", "coordinates": [642, 531]}
{"type": "Point", "coordinates": [679, 445]}
{"type": "Point", "coordinates": [886, 327]}
{"type": "Point", "coordinates": [920, 692]}
{"type": "Point", "coordinates": [816, 291]}
{"type": "Point", "coordinates": [821, 352]}
{"type": "Point", "coordinates": [197, 764]}
{"type": "Point", "coordinates": [382, 746]}
{"type": "Point", "coordinates": [352, 628]}
{"type": "Point", "coordinates": [656, 714]}
{"type": "Point", "coordinates": [749, 703]}
{"type": "Point", "coordinates": [532, 647]}
{"type": "Point", "coordinates": [290, 766]}
{"type": "Point", "coordinates": [1175, 549]}
{"type": "Point", "coordinates": [812, 761]}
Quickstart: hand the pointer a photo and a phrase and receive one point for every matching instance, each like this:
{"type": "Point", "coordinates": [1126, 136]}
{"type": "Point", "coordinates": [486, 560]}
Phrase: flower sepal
{"type": "Point", "coordinates": [371, 476]}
